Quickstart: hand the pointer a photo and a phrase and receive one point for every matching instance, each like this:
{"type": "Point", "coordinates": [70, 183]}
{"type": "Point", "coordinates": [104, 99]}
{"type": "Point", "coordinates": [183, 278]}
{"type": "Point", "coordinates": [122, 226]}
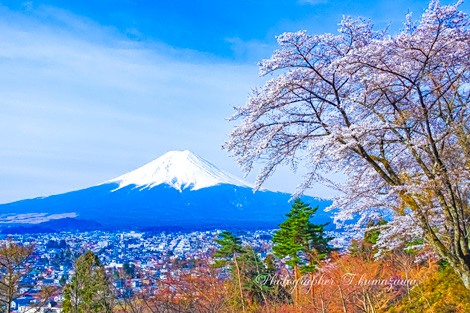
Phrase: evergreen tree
{"type": "Point", "coordinates": [252, 269]}
{"type": "Point", "coordinates": [230, 249]}
{"type": "Point", "coordinates": [89, 291]}
{"type": "Point", "coordinates": [63, 280]}
{"type": "Point", "coordinates": [303, 243]}
{"type": "Point", "coordinates": [277, 292]}
{"type": "Point", "coordinates": [129, 269]}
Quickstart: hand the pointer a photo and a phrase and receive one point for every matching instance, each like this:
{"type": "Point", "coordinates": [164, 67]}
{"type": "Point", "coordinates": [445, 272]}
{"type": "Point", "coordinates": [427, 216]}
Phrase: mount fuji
{"type": "Point", "coordinates": [178, 190]}
{"type": "Point", "coordinates": [180, 170]}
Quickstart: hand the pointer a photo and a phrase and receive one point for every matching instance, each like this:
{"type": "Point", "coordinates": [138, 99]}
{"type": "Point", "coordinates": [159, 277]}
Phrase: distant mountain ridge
{"type": "Point", "coordinates": [177, 190]}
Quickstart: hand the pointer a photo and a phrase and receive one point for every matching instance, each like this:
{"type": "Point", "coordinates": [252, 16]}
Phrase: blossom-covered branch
{"type": "Point", "coordinates": [391, 112]}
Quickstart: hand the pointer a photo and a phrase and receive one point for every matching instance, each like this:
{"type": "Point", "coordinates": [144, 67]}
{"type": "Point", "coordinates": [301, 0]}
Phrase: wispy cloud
{"type": "Point", "coordinates": [249, 49]}
{"type": "Point", "coordinates": [313, 2]}
{"type": "Point", "coordinates": [81, 103]}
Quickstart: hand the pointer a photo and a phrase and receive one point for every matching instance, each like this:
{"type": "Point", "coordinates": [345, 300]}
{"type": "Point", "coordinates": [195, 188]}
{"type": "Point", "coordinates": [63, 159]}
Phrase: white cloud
{"type": "Point", "coordinates": [313, 2]}
{"type": "Point", "coordinates": [251, 49]}
{"type": "Point", "coordinates": [80, 104]}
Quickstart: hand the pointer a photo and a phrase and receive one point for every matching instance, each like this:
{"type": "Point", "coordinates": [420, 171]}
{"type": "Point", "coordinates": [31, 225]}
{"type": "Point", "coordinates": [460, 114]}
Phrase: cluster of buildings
{"type": "Point", "coordinates": [136, 261]}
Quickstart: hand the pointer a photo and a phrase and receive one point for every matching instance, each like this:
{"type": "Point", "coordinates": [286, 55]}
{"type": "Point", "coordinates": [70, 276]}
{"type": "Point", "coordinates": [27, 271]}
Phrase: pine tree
{"type": "Point", "coordinates": [252, 268]}
{"type": "Point", "coordinates": [303, 243]}
{"type": "Point", "coordinates": [229, 251]}
{"type": "Point", "coordinates": [129, 269]}
{"type": "Point", "coordinates": [277, 292]}
{"type": "Point", "coordinates": [89, 291]}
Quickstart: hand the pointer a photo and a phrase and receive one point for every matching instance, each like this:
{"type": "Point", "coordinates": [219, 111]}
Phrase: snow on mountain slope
{"type": "Point", "coordinates": [179, 169]}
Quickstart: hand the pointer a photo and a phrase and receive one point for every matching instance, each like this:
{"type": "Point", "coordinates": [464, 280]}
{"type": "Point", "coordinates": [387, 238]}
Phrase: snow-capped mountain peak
{"type": "Point", "coordinates": [179, 169]}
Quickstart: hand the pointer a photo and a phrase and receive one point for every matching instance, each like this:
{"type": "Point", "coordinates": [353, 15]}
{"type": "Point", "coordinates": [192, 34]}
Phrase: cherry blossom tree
{"type": "Point", "coordinates": [391, 112]}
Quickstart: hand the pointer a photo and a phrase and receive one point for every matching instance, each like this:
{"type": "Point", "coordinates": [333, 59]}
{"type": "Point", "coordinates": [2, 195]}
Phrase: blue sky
{"type": "Point", "coordinates": [92, 89]}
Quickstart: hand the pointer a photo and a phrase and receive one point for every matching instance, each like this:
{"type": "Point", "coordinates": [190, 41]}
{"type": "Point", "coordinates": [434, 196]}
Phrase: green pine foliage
{"type": "Point", "coordinates": [298, 240]}
{"type": "Point", "coordinates": [230, 248]}
{"type": "Point", "coordinates": [249, 275]}
{"type": "Point", "coordinates": [129, 269]}
{"type": "Point", "coordinates": [276, 293]}
{"type": "Point", "coordinates": [228, 255]}
{"type": "Point", "coordinates": [252, 269]}
{"type": "Point", "coordinates": [89, 291]}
